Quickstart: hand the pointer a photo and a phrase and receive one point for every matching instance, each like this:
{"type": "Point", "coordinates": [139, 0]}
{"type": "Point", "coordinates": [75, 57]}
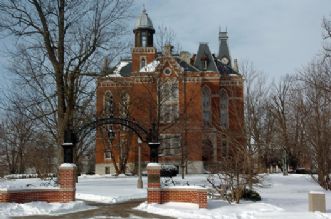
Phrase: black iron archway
{"type": "Point", "coordinates": [149, 136]}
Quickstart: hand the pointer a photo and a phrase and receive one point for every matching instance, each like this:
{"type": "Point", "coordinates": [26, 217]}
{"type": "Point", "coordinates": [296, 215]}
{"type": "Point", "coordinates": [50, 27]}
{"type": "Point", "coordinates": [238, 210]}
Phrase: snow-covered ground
{"type": "Point", "coordinates": [283, 196]}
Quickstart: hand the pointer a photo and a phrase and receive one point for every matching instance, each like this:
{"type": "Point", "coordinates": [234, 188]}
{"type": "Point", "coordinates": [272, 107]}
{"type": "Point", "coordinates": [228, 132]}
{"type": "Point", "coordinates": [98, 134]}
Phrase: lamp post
{"type": "Point", "coordinates": [68, 146]}
{"type": "Point", "coordinates": [140, 181]}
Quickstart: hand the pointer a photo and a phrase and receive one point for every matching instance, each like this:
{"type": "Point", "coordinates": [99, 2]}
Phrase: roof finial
{"type": "Point", "coordinates": [144, 9]}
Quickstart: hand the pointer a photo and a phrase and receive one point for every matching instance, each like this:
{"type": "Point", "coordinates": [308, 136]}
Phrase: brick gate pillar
{"type": "Point", "coordinates": [154, 186]}
{"type": "Point", "coordinates": [67, 182]}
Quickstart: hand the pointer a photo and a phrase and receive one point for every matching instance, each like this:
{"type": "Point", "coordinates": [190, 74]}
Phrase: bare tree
{"type": "Point", "coordinates": [280, 108]}
{"type": "Point", "coordinates": [317, 105]}
{"type": "Point", "coordinates": [164, 36]}
{"type": "Point", "coordinates": [58, 44]}
{"type": "Point", "coordinates": [256, 117]}
{"type": "Point", "coordinates": [326, 27]}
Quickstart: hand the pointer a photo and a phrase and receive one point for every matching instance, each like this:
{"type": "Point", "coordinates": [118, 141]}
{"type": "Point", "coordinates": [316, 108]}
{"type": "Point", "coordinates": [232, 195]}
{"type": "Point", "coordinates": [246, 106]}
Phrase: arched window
{"type": "Point", "coordinates": [108, 104]}
{"type": "Point", "coordinates": [206, 105]}
{"type": "Point", "coordinates": [142, 62]}
{"type": "Point", "coordinates": [224, 146]}
{"type": "Point", "coordinates": [169, 100]}
{"type": "Point", "coordinates": [224, 109]}
{"type": "Point", "coordinates": [125, 99]}
{"type": "Point", "coordinates": [144, 39]}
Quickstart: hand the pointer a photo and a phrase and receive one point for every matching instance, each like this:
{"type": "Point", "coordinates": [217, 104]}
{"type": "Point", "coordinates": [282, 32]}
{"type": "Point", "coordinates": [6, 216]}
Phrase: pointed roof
{"type": "Point", "coordinates": [224, 48]}
{"type": "Point", "coordinates": [144, 22]}
{"type": "Point", "coordinates": [204, 54]}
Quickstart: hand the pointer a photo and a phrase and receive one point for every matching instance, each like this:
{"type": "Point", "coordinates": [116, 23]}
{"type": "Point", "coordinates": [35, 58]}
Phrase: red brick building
{"type": "Point", "coordinates": [196, 102]}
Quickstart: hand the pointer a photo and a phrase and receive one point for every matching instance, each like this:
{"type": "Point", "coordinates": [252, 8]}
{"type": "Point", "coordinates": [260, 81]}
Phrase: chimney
{"type": "Point", "coordinates": [167, 49]}
{"type": "Point", "coordinates": [235, 65]}
{"type": "Point", "coordinates": [185, 56]}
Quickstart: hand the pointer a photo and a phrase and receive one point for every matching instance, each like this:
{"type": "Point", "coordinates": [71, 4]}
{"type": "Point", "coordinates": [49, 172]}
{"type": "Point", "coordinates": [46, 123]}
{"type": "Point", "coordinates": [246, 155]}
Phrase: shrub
{"type": "Point", "coordinates": [168, 171]}
{"type": "Point", "coordinates": [251, 195]}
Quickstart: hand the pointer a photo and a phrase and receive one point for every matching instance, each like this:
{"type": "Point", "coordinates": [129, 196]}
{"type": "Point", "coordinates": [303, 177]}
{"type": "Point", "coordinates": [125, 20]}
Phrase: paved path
{"type": "Point", "coordinates": [121, 210]}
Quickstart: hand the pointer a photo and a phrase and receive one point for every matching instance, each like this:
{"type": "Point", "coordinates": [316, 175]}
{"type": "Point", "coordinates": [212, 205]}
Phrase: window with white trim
{"type": "Point", "coordinates": [169, 144]}
{"type": "Point", "coordinates": [108, 154]}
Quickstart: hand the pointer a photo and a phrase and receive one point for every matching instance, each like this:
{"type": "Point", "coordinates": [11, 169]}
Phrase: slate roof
{"type": "Point", "coordinates": [224, 69]}
{"type": "Point", "coordinates": [185, 65]}
{"type": "Point", "coordinates": [205, 54]}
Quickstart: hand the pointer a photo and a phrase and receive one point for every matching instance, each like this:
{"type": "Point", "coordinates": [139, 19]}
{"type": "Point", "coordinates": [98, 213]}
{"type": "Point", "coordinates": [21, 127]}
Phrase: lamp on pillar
{"type": "Point", "coordinates": [68, 146]}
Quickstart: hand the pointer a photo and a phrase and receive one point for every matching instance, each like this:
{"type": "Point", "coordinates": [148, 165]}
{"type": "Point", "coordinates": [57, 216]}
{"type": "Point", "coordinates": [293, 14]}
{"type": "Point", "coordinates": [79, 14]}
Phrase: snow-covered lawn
{"type": "Point", "coordinates": [283, 196]}
{"type": "Point", "coordinates": [109, 189]}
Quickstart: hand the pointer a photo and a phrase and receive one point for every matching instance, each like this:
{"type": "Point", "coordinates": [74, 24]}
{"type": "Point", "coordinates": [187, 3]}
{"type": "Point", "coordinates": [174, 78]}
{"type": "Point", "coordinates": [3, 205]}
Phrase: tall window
{"type": "Point", "coordinates": [142, 62]}
{"type": "Point", "coordinates": [125, 105]}
{"type": "Point", "coordinates": [108, 104]}
{"type": "Point", "coordinates": [224, 109]}
{"type": "Point", "coordinates": [170, 144]}
{"type": "Point", "coordinates": [144, 39]}
{"type": "Point", "coordinates": [168, 100]}
{"type": "Point", "coordinates": [206, 105]}
{"type": "Point", "coordinates": [225, 147]}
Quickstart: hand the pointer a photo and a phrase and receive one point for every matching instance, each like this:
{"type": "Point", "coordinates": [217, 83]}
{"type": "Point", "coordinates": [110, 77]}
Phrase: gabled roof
{"type": "Point", "coordinates": [202, 55]}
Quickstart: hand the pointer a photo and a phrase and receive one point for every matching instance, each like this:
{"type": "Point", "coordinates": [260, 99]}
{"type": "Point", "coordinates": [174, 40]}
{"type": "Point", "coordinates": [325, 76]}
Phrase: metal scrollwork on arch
{"type": "Point", "coordinates": [142, 133]}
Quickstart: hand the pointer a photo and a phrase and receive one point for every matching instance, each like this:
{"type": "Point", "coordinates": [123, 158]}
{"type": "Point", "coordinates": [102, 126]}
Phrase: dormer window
{"type": "Point", "coordinates": [204, 62]}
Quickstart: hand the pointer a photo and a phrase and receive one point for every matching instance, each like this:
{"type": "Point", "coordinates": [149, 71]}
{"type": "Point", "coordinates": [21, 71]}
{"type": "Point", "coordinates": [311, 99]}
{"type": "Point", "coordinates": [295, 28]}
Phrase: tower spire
{"type": "Point", "coordinates": [224, 52]}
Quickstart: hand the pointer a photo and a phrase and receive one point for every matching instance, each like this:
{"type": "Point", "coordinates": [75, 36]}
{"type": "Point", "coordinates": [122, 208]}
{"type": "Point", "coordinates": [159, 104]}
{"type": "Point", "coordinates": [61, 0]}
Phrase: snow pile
{"type": "Point", "coordinates": [150, 67]}
{"type": "Point", "coordinates": [24, 184]}
{"type": "Point", "coordinates": [41, 208]}
{"type": "Point", "coordinates": [118, 69]}
{"type": "Point", "coordinates": [217, 209]}
{"type": "Point", "coordinates": [153, 165]}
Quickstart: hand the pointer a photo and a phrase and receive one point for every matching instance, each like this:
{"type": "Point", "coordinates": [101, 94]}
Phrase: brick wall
{"type": "Point", "coordinates": [156, 194]}
{"type": "Point", "coordinates": [64, 193]}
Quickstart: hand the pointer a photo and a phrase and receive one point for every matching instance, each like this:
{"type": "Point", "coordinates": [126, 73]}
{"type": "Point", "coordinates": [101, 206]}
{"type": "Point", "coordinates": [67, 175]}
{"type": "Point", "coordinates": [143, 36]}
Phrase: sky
{"type": "Point", "coordinates": [278, 36]}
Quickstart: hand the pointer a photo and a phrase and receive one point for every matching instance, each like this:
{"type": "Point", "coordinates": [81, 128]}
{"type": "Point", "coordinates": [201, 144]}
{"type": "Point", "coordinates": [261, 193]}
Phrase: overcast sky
{"type": "Point", "coordinates": [278, 36]}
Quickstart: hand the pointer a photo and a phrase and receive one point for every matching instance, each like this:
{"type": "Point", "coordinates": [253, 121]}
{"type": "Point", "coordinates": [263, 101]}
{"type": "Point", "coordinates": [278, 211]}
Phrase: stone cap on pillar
{"type": "Point", "coordinates": [68, 166]}
{"type": "Point", "coordinates": [153, 166]}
